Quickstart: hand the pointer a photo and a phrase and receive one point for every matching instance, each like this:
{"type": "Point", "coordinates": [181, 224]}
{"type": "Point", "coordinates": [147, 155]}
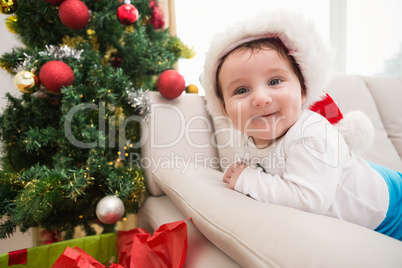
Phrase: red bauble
{"type": "Point", "coordinates": [74, 14]}
{"type": "Point", "coordinates": [55, 74]}
{"type": "Point", "coordinates": [156, 18]}
{"type": "Point", "coordinates": [171, 84]}
{"type": "Point", "coordinates": [127, 14]}
{"type": "Point", "coordinates": [54, 2]}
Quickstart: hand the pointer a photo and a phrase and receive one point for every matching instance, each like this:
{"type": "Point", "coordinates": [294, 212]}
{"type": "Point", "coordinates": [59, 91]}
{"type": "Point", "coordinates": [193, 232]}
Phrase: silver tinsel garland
{"type": "Point", "coordinates": [140, 101]}
{"type": "Point", "coordinates": [26, 63]}
{"type": "Point", "coordinates": [62, 52]}
{"type": "Point", "coordinates": [57, 52]}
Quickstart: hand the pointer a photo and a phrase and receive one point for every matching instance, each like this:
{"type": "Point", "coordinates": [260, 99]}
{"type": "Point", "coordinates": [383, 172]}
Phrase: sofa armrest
{"type": "Point", "coordinates": [257, 234]}
{"type": "Point", "coordinates": [177, 132]}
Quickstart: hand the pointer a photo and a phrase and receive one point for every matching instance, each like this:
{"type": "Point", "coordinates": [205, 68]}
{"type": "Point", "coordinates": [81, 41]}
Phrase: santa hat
{"type": "Point", "coordinates": [311, 53]}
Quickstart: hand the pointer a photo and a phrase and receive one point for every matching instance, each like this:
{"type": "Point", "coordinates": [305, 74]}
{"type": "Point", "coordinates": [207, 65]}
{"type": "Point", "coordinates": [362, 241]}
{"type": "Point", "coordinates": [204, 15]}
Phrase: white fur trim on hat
{"type": "Point", "coordinates": [296, 33]}
{"type": "Point", "coordinates": [357, 130]}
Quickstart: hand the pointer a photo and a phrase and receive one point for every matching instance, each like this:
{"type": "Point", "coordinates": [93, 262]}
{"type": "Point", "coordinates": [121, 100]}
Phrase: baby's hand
{"type": "Point", "coordinates": [232, 174]}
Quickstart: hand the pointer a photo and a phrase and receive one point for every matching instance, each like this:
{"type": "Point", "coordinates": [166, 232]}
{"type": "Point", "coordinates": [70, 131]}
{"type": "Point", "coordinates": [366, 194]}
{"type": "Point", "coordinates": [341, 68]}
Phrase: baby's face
{"type": "Point", "coordinates": [262, 95]}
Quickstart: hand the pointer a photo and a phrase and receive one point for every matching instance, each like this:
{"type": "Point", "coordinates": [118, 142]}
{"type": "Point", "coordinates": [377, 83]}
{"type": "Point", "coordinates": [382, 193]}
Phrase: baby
{"type": "Point", "coordinates": [264, 75]}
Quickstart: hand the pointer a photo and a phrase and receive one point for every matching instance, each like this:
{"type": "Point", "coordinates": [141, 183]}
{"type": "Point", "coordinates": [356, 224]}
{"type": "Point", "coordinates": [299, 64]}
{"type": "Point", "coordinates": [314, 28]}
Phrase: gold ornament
{"type": "Point", "coordinates": [10, 21]}
{"type": "Point", "coordinates": [192, 89]}
{"type": "Point", "coordinates": [26, 82]}
{"type": "Point", "coordinates": [8, 6]}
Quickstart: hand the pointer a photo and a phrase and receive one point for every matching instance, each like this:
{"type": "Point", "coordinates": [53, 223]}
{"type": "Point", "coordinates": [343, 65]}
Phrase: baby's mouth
{"type": "Point", "coordinates": [264, 115]}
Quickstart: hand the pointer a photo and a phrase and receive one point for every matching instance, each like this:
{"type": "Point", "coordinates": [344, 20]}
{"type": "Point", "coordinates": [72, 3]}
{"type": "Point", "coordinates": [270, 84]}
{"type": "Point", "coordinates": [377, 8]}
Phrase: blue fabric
{"type": "Point", "coordinates": [392, 224]}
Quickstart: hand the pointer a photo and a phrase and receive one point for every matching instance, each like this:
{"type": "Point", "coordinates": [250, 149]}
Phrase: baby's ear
{"type": "Point", "coordinates": [303, 97]}
{"type": "Point", "coordinates": [303, 94]}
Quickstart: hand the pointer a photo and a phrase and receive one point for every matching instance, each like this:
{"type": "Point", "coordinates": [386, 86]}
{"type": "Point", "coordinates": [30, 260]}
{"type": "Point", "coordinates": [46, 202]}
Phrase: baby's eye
{"type": "Point", "coordinates": [241, 90]}
{"type": "Point", "coordinates": [274, 82]}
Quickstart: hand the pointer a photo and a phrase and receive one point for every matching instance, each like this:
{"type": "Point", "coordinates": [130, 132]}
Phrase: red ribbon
{"type": "Point", "coordinates": [17, 257]}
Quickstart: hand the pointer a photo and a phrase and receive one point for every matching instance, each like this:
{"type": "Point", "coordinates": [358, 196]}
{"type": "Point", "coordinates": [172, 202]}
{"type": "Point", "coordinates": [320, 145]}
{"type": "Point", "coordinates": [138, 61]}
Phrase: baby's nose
{"type": "Point", "coordinates": [261, 98]}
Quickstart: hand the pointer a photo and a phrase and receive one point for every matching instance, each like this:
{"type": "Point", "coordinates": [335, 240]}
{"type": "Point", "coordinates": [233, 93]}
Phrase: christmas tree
{"type": "Point", "coordinates": [72, 137]}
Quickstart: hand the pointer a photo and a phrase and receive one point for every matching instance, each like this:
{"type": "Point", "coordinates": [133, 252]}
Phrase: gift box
{"type": "Point", "coordinates": [101, 247]}
{"type": "Point", "coordinates": [166, 248]}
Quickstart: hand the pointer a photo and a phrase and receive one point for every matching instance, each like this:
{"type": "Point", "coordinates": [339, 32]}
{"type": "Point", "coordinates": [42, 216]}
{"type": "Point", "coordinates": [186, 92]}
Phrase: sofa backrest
{"type": "Point", "coordinates": [387, 94]}
{"type": "Point", "coordinates": [378, 98]}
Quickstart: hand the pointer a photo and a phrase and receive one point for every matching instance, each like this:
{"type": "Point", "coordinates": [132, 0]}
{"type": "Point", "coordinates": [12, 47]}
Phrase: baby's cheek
{"type": "Point", "coordinates": [233, 116]}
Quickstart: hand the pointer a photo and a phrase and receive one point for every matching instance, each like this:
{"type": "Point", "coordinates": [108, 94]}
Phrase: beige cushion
{"type": "Point", "coordinates": [351, 93]}
{"type": "Point", "coordinates": [257, 234]}
{"type": "Point", "coordinates": [177, 131]}
{"type": "Point", "coordinates": [387, 95]}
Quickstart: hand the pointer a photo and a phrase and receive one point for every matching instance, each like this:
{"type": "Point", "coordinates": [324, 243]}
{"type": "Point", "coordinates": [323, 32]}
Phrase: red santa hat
{"type": "Point", "coordinates": [311, 53]}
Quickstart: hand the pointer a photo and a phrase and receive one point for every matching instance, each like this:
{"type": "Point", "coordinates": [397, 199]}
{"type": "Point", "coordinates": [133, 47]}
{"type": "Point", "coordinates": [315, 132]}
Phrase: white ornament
{"type": "Point", "coordinates": [110, 209]}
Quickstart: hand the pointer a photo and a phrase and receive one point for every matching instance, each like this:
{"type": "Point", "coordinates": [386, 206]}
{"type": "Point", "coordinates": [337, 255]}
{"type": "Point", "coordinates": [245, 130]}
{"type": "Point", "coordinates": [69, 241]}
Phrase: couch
{"type": "Point", "coordinates": [228, 229]}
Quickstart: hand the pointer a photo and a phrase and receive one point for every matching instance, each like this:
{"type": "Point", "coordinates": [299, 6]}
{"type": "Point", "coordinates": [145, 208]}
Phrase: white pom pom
{"type": "Point", "coordinates": [358, 131]}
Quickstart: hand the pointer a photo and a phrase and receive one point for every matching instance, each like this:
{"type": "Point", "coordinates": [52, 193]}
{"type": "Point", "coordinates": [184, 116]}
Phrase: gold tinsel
{"type": "Point", "coordinates": [6, 66]}
{"type": "Point", "coordinates": [107, 58]}
{"type": "Point", "coordinates": [129, 29]}
{"type": "Point", "coordinates": [13, 179]}
{"type": "Point", "coordinates": [121, 41]}
{"type": "Point", "coordinates": [72, 41]}
{"type": "Point", "coordinates": [181, 49]}
{"type": "Point", "coordinates": [140, 192]}
{"type": "Point", "coordinates": [187, 52]}
{"type": "Point", "coordinates": [10, 21]}
{"type": "Point", "coordinates": [93, 39]}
